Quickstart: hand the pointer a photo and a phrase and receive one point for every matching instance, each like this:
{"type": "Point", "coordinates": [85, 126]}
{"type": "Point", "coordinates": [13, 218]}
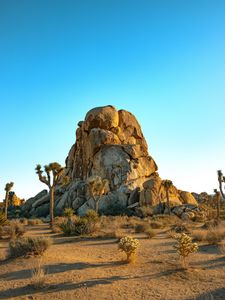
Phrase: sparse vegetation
{"type": "Point", "coordinates": [54, 176]}
{"type": "Point", "coordinates": [38, 275]}
{"type": "Point", "coordinates": [28, 246]}
{"type": "Point", "coordinates": [129, 245]}
{"type": "Point", "coordinates": [34, 221]}
{"type": "Point", "coordinates": [150, 233]}
{"type": "Point", "coordinates": [185, 247]}
{"type": "Point", "coordinates": [81, 225]}
{"type": "Point", "coordinates": [13, 230]}
{"type": "Point", "coordinates": [142, 227]}
{"type": "Point", "coordinates": [8, 188]}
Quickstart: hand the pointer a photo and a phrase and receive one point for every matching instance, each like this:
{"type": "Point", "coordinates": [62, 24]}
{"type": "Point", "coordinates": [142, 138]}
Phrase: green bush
{"type": "Point", "coordinates": [28, 246]}
{"type": "Point", "coordinates": [80, 225]}
{"type": "Point", "coordinates": [68, 212]}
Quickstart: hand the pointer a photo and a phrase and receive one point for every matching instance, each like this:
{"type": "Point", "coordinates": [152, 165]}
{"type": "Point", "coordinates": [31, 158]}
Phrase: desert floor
{"type": "Point", "coordinates": [93, 268]}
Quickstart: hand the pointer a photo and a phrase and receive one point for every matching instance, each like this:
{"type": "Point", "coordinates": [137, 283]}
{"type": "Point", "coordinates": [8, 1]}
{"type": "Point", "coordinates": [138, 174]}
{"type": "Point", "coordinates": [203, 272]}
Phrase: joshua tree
{"type": "Point", "coordinates": [8, 188]}
{"type": "Point", "coordinates": [53, 177]}
{"type": "Point", "coordinates": [97, 187]}
{"type": "Point", "coordinates": [221, 180]}
{"type": "Point", "coordinates": [167, 185]}
{"type": "Point", "coordinates": [217, 199]}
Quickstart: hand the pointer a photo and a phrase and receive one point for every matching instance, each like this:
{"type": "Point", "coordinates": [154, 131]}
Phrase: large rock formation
{"type": "Point", "coordinates": [110, 144]}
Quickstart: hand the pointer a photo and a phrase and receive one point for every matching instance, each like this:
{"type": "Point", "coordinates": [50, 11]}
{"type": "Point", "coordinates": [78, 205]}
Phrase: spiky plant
{"type": "Point", "coordinates": [97, 187]}
{"type": "Point", "coordinates": [167, 184]}
{"type": "Point", "coordinates": [221, 180]}
{"type": "Point", "coordinates": [217, 200]}
{"type": "Point", "coordinates": [53, 177]}
{"type": "Point", "coordinates": [184, 247]}
{"type": "Point", "coordinates": [8, 188]}
{"type": "Point", "coordinates": [128, 245]}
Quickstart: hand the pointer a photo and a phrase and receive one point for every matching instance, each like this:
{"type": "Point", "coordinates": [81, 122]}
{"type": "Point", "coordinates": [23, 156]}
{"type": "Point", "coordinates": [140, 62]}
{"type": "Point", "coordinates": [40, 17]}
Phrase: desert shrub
{"type": "Point", "coordinates": [38, 276]}
{"type": "Point", "coordinates": [181, 227]}
{"type": "Point", "coordinates": [144, 211]}
{"type": "Point", "coordinates": [166, 219]}
{"type": "Point", "coordinates": [128, 245]}
{"type": "Point", "coordinates": [3, 219]}
{"type": "Point", "coordinates": [142, 227]}
{"type": "Point", "coordinates": [185, 247]}
{"type": "Point", "coordinates": [215, 235]}
{"type": "Point", "coordinates": [81, 225]}
{"type": "Point", "coordinates": [199, 235]}
{"type": "Point", "coordinates": [14, 230]}
{"type": "Point", "coordinates": [211, 223]}
{"type": "Point", "coordinates": [23, 221]}
{"type": "Point", "coordinates": [28, 246]}
{"type": "Point", "coordinates": [33, 222]}
{"type": "Point", "coordinates": [156, 224]}
{"type": "Point", "coordinates": [92, 216]}
{"type": "Point", "coordinates": [68, 212]}
{"type": "Point", "coordinates": [150, 233]}
{"type": "Point", "coordinates": [133, 222]}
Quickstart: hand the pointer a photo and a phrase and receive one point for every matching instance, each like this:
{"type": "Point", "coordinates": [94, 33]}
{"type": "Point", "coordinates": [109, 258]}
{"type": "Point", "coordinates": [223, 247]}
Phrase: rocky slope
{"type": "Point", "coordinates": [110, 144]}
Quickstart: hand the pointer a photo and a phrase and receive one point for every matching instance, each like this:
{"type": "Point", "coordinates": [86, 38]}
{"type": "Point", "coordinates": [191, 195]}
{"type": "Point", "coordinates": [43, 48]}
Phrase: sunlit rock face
{"type": "Point", "coordinates": [110, 144]}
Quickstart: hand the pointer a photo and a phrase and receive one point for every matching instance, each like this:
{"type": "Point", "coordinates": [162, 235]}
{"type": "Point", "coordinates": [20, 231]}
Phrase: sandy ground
{"type": "Point", "coordinates": [93, 268]}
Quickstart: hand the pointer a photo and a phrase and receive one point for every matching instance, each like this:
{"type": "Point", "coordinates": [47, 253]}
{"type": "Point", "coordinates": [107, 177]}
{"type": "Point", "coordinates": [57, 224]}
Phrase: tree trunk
{"type": "Point", "coordinates": [221, 189]}
{"type": "Point", "coordinates": [6, 203]}
{"type": "Point", "coordinates": [51, 206]}
{"type": "Point", "coordinates": [218, 206]}
{"type": "Point", "coordinates": [168, 201]}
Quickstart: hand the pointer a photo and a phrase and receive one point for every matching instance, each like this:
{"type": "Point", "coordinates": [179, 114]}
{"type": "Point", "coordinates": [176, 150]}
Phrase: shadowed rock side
{"type": "Point", "coordinates": [110, 144]}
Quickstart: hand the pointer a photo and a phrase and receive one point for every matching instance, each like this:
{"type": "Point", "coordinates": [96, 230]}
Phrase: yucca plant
{"type": "Point", "coordinates": [217, 200]}
{"type": "Point", "coordinates": [97, 187]}
{"type": "Point", "coordinates": [54, 176]}
{"type": "Point", "coordinates": [221, 180]}
{"type": "Point", "coordinates": [167, 184]}
{"type": "Point", "coordinates": [8, 188]}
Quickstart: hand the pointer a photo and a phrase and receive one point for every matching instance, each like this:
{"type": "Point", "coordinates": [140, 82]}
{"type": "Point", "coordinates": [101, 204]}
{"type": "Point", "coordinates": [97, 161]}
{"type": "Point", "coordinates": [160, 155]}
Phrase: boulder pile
{"type": "Point", "coordinates": [109, 144]}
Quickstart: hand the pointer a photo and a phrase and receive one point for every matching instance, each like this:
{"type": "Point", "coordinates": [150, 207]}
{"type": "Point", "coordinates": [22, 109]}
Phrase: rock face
{"type": "Point", "coordinates": [110, 144]}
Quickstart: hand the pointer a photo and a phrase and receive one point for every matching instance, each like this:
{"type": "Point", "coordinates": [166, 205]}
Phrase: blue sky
{"type": "Point", "coordinates": [162, 60]}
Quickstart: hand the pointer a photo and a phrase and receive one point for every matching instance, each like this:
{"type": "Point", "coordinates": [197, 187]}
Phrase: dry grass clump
{"type": "Point", "coordinates": [144, 211]}
{"type": "Point", "coordinates": [129, 245]}
{"type": "Point", "coordinates": [180, 227]}
{"type": "Point", "coordinates": [150, 233]}
{"type": "Point", "coordinates": [156, 224]}
{"type": "Point", "coordinates": [133, 221]}
{"type": "Point", "coordinates": [13, 230]}
{"type": "Point", "coordinates": [23, 221]}
{"type": "Point", "coordinates": [199, 235]}
{"type": "Point", "coordinates": [38, 276]}
{"type": "Point", "coordinates": [142, 227]}
{"type": "Point", "coordinates": [33, 222]}
{"type": "Point", "coordinates": [166, 220]}
{"type": "Point", "coordinates": [28, 246]}
{"type": "Point", "coordinates": [215, 235]}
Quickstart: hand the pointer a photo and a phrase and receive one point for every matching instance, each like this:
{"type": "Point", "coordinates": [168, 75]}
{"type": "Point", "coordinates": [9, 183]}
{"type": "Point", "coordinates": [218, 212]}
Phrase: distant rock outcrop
{"type": "Point", "coordinates": [110, 144]}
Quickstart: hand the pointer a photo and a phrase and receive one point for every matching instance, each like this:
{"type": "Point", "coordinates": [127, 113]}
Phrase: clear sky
{"type": "Point", "coordinates": [162, 60]}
